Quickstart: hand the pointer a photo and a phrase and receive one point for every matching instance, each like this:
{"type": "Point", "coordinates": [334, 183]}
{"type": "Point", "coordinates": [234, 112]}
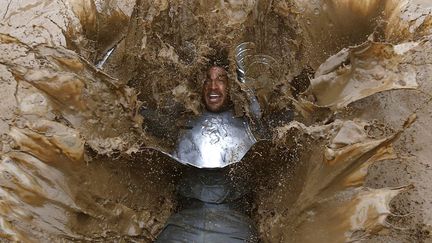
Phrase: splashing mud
{"type": "Point", "coordinates": [76, 162]}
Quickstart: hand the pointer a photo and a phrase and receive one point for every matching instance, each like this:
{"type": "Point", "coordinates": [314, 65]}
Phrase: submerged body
{"type": "Point", "coordinates": [214, 208]}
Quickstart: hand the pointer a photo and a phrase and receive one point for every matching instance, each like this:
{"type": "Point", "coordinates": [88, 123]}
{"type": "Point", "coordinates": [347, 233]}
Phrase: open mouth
{"type": "Point", "coordinates": [214, 97]}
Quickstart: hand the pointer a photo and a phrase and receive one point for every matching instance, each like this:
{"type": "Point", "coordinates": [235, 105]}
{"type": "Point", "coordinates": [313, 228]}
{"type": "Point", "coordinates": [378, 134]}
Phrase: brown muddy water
{"type": "Point", "coordinates": [353, 165]}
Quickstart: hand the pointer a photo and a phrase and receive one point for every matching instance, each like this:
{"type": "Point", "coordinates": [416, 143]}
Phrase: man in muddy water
{"type": "Point", "coordinates": [214, 208]}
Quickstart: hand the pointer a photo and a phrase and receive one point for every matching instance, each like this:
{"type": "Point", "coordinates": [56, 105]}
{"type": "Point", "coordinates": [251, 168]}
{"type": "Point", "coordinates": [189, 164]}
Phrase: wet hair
{"type": "Point", "coordinates": [219, 58]}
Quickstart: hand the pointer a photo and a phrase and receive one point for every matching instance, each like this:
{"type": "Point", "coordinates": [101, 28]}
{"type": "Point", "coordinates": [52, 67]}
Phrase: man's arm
{"type": "Point", "coordinates": [254, 105]}
{"type": "Point", "coordinates": [261, 126]}
{"type": "Point", "coordinates": [256, 125]}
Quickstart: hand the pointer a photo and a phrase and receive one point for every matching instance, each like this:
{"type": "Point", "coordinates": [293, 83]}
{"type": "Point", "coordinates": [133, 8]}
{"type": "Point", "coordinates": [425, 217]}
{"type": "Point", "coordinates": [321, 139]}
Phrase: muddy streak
{"type": "Point", "coordinates": [82, 202]}
{"type": "Point", "coordinates": [327, 183]}
{"type": "Point", "coordinates": [407, 20]}
{"type": "Point", "coordinates": [76, 91]}
{"type": "Point", "coordinates": [48, 192]}
{"type": "Point", "coordinates": [360, 72]}
{"type": "Point", "coordinates": [276, 209]}
{"type": "Point", "coordinates": [412, 163]}
{"type": "Point", "coordinates": [55, 187]}
{"type": "Point", "coordinates": [329, 25]}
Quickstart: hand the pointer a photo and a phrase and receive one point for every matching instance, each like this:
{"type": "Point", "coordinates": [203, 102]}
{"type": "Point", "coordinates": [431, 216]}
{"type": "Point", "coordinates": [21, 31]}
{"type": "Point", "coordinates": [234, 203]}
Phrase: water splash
{"type": "Point", "coordinates": [61, 116]}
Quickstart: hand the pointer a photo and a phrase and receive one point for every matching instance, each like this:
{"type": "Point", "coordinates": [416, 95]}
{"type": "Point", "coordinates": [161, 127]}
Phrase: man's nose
{"type": "Point", "coordinates": [213, 84]}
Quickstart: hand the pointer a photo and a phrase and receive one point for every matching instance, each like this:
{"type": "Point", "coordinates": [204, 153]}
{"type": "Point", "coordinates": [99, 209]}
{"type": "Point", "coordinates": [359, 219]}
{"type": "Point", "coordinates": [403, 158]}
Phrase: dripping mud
{"type": "Point", "coordinates": [76, 157]}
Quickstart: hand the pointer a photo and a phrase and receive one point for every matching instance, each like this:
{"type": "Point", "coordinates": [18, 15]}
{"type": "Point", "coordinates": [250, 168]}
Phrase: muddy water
{"type": "Point", "coordinates": [353, 165]}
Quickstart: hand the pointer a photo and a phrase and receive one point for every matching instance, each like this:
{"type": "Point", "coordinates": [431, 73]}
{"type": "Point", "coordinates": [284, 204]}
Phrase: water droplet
{"type": "Point", "coordinates": [316, 11]}
{"type": "Point", "coordinates": [324, 7]}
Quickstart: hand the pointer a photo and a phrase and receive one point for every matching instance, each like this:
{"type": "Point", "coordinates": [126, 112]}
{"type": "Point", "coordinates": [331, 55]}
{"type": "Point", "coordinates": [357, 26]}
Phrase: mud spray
{"type": "Point", "coordinates": [353, 165]}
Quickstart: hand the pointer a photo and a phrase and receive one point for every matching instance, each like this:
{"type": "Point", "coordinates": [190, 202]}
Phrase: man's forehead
{"type": "Point", "coordinates": [216, 71]}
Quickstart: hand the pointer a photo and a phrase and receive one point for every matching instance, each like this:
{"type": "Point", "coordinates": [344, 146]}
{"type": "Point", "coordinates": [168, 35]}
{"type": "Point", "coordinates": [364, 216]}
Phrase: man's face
{"type": "Point", "coordinates": [215, 89]}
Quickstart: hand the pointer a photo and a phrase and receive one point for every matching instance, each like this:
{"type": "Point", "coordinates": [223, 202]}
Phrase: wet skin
{"type": "Point", "coordinates": [215, 89]}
